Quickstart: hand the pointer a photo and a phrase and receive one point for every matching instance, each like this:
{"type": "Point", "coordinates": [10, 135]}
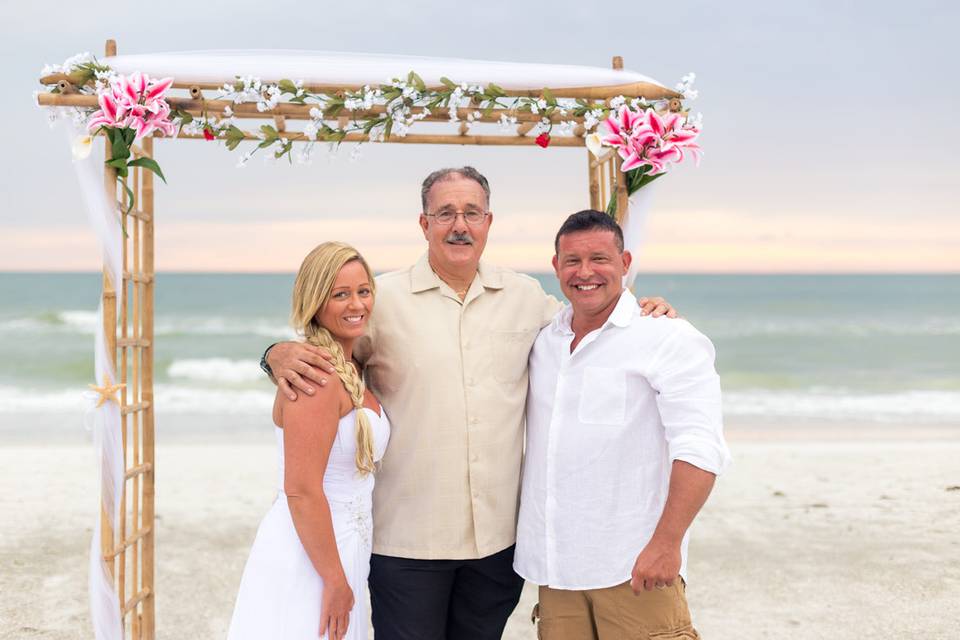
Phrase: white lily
{"type": "Point", "coordinates": [594, 144]}
{"type": "Point", "coordinates": [81, 147]}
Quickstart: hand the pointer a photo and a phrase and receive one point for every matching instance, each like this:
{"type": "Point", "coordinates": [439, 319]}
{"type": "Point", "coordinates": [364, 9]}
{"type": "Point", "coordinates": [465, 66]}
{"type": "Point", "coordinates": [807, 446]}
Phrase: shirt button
{"type": "Point", "coordinates": [474, 420]}
{"type": "Point", "coordinates": [474, 458]}
{"type": "Point", "coordinates": [476, 495]}
{"type": "Point", "coordinates": [470, 382]}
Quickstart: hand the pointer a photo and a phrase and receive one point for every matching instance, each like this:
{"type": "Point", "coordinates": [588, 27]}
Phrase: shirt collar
{"type": "Point", "coordinates": [621, 316]}
{"type": "Point", "coordinates": [423, 278]}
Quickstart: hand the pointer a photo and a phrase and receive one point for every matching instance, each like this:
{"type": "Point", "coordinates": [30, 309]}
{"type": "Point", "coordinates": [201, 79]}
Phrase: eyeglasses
{"type": "Point", "coordinates": [470, 216]}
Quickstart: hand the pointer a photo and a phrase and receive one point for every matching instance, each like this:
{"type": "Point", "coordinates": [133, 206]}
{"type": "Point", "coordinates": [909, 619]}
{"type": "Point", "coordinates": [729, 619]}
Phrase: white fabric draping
{"type": "Point", "coordinates": [105, 419]}
{"type": "Point", "coordinates": [634, 227]}
{"type": "Point", "coordinates": [328, 67]}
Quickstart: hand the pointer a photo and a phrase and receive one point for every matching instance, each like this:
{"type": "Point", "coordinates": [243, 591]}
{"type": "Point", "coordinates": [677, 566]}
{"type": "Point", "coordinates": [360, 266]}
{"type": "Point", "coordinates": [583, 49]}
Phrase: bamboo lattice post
{"type": "Point", "coordinates": [146, 396]}
{"type": "Point", "coordinates": [129, 550]}
{"type": "Point", "coordinates": [594, 184]}
{"type": "Point", "coordinates": [617, 177]}
{"type": "Point", "coordinates": [109, 300]}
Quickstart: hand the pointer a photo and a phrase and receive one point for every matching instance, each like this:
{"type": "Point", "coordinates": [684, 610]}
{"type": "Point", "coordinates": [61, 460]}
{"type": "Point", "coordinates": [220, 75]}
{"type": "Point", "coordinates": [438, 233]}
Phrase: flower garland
{"type": "Point", "coordinates": [135, 106]}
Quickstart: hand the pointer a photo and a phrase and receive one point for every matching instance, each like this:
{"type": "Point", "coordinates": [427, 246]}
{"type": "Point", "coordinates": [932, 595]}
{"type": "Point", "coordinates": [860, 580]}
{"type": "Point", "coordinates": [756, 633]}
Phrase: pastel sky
{"type": "Point", "coordinates": [831, 135]}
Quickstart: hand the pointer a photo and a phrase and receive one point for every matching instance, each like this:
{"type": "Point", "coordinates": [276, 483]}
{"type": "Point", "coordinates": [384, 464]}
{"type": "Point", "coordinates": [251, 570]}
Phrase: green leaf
{"type": "Point", "coordinates": [495, 91]}
{"type": "Point", "coordinates": [418, 82]}
{"type": "Point", "coordinates": [270, 133]}
{"type": "Point", "coordinates": [448, 83]}
{"type": "Point", "coordinates": [287, 86]}
{"type": "Point", "coordinates": [117, 163]}
{"type": "Point", "coordinates": [131, 199]}
{"type": "Point", "coordinates": [548, 96]}
{"type": "Point", "coordinates": [387, 129]}
{"type": "Point", "coordinates": [147, 163]}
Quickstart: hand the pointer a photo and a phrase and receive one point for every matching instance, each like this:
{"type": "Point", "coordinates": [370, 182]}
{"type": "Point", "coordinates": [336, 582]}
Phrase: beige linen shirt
{"type": "Point", "coordinates": [452, 377]}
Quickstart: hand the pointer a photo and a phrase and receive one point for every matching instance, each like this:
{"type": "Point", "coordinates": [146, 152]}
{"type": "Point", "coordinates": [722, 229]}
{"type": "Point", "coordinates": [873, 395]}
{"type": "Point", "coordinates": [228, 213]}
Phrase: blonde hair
{"type": "Point", "coordinates": [311, 292]}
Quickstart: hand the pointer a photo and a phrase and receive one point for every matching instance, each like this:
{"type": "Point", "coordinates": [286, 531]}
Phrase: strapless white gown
{"type": "Point", "coordinates": [280, 590]}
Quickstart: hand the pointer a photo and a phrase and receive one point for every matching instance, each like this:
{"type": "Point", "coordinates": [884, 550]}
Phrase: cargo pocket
{"type": "Point", "coordinates": [686, 632]}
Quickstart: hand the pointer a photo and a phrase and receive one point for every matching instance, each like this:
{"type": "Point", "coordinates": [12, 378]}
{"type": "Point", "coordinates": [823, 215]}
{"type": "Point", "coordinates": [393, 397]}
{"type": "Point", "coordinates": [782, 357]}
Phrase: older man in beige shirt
{"type": "Point", "coordinates": [447, 357]}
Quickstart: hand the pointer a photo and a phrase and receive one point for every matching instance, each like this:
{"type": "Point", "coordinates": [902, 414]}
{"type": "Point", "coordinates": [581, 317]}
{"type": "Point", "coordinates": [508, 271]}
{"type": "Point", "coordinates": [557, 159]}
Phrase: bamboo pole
{"type": "Point", "coordinates": [136, 417]}
{"type": "Point", "coordinates": [124, 402]}
{"type": "Point", "coordinates": [109, 298]}
{"type": "Point", "coordinates": [148, 627]}
{"type": "Point", "coordinates": [302, 112]}
{"type": "Point", "coordinates": [419, 138]}
{"type": "Point", "coordinates": [594, 183]}
{"type": "Point", "coordinates": [623, 196]}
{"type": "Point", "coordinates": [647, 90]}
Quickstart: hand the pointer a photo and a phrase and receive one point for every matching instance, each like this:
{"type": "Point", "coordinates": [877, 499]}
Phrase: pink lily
{"type": "Point", "coordinates": [157, 89]}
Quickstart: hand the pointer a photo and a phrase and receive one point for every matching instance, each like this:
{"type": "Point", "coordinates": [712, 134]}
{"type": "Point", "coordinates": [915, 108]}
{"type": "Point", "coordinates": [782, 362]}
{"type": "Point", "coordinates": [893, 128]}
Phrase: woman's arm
{"type": "Point", "coordinates": [309, 431]}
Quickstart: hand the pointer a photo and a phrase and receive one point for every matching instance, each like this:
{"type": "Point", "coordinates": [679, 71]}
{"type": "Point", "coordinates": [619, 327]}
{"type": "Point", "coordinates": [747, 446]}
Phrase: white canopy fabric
{"type": "Point", "coordinates": [338, 68]}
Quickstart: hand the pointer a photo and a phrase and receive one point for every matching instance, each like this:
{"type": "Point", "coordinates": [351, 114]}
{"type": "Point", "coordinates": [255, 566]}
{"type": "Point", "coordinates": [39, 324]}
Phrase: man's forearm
{"type": "Point", "coordinates": [689, 488]}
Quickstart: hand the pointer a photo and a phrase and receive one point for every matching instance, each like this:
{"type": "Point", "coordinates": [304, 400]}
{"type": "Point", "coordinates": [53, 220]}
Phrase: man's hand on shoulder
{"type": "Point", "coordinates": [656, 307]}
{"type": "Point", "coordinates": [296, 364]}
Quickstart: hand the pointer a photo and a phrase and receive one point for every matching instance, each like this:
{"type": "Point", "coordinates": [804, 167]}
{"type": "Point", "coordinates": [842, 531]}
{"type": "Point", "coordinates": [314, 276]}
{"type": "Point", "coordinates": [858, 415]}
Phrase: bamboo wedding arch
{"type": "Point", "coordinates": [128, 549]}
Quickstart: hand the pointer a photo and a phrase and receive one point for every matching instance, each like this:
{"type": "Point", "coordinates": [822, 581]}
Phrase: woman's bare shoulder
{"type": "Point", "coordinates": [332, 394]}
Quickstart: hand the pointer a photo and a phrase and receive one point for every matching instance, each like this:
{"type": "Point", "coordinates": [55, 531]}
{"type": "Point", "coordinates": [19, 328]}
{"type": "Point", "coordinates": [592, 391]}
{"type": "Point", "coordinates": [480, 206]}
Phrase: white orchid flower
{"type": "Point", "coordinates": [594, 144]}
{"type": "Point", "coordinates": [81, 147]}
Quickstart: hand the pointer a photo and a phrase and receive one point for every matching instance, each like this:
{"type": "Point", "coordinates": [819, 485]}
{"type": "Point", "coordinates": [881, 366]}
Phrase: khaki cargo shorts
{"type": "Point", "coordinates": [614, 613]}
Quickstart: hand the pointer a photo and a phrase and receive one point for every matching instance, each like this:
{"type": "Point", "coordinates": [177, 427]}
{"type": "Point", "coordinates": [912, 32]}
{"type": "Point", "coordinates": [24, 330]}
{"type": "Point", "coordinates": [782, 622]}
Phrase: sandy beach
{"type": "Point", "coordinates": [839, 533]}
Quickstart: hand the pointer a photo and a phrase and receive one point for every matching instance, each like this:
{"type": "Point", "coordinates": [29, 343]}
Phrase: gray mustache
{"type": "Point", "coordinates": [456, 236]}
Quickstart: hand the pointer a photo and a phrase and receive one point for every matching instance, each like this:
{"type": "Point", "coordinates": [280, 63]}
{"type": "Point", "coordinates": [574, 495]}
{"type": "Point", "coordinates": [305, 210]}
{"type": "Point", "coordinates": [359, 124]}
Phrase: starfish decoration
{"type": "Point", "coordinates": [107, 391]}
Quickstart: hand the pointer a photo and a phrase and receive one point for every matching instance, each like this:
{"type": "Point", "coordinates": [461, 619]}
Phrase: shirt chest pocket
{"type": "Point", "coordinates": [509, 351]}
{"type": "Point", "coordinates": [603, 396]}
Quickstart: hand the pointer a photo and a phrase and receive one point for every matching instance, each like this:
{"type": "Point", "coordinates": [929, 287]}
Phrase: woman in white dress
{"type": "Point", "coordinates": [307, 572]}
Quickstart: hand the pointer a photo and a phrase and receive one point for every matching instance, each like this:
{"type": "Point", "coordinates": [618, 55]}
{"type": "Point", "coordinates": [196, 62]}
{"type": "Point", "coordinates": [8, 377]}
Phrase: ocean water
{"type": "Point", "coordinates": [845, 348]}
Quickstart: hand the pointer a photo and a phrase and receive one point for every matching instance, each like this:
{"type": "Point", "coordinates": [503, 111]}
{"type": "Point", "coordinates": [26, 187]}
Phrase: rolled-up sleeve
{"type": "Point", "coordinates": [688, 397]}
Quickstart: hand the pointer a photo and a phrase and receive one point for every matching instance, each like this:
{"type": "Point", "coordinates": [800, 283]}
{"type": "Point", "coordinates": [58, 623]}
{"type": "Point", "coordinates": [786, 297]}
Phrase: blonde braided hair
{"type": "Point", "coordinates": [311, 292]}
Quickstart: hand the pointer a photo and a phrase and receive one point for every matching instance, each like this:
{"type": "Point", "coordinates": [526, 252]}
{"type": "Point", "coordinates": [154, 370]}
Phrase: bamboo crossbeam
{"type": "Point", "coordinates": [137, 277]}
{"type": "Point", "coordinates": [138, 470]}
{"type": "Point", "coordinates": [137, 599]}
{"type": "Point", "coordinates": [135, 343]}
{"type": "Point", "coordinates": [631, 89]}
{"type": "Point", "coordinates": [128, 542]}
{"type": "Point", "coordinates": [605, 157]}
{"type": "Point", "coordinates": [525, 128]}
{"type": "Point", "coordinates": [413, 138]}
{"type": "Point", "coordinates": [139, 215]}
{"type": "Point", "coordinates": [134, 408]}
{"type": "Point", "coordinates": [302, 112]}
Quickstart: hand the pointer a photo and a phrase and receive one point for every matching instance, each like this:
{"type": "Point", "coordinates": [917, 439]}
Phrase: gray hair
{"type": "Point", "coordinates": [444, 174]}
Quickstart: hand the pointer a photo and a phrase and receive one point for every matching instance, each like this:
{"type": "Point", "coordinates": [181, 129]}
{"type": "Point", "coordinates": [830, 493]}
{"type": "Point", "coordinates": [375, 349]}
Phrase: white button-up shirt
{"type": "Point", "coordinates": [604, 424]}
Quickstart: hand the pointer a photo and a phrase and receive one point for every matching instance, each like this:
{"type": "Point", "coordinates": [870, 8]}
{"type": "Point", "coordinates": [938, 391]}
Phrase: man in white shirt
{"type": "Point", "coordinates": [624, 441]}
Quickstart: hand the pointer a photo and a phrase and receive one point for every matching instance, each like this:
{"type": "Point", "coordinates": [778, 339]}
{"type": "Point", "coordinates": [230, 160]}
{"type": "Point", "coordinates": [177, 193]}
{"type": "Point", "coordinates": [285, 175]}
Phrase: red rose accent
{"type": "Point", "coordinates": [543, 140]}
{"type": "Point", "coordinates": [208, 135]}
